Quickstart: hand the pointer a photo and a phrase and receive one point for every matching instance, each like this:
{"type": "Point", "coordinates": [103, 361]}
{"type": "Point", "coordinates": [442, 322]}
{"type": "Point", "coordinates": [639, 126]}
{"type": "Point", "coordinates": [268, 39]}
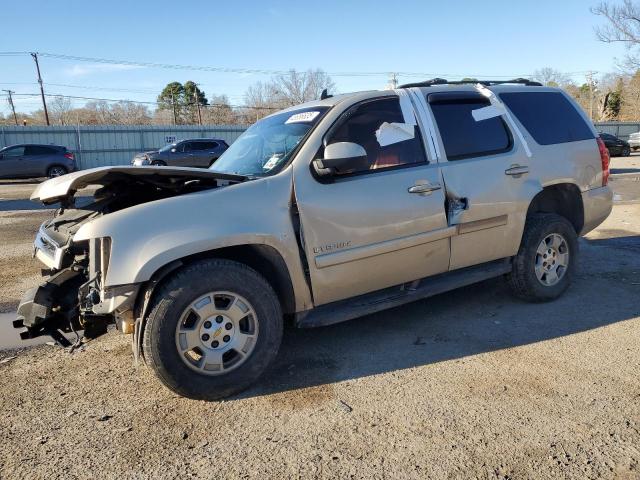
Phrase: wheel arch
{"type": "Point", "coordinates": [564, 199]}
{"type": "Point", "coordinates": [264, 259]}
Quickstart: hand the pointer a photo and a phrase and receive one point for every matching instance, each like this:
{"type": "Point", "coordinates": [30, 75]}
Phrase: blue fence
{"type": "Point", "coordinates": [96, 146]}
{"type": "Point", "coordinates": [619, 129]}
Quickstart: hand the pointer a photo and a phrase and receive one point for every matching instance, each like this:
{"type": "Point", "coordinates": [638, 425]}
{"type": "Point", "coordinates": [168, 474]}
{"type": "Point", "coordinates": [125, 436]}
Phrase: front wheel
{"type": "Point", "coordinates": [546, 261]}
{"type": "Point", "coordinates": [626, 151]}
{"type": "Point", "coordinates": [213, 328]}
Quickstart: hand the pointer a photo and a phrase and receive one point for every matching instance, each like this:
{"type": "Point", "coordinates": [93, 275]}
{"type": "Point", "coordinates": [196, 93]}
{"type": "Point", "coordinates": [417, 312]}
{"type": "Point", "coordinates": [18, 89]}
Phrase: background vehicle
{"type": "Point", "coordinates": [31, 160]}
{"type": "Point", "coordinates": [322, 213]}
{"type": "Point", "coordinates": [634, 141]}
{"type": "Point", "coordinates": [616, 146]}
{"type": "Point", "coordinates": [200, 152]}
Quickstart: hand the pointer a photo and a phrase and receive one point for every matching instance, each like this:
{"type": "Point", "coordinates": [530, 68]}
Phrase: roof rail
{"type": "Point", "coordinates": [486, 83]}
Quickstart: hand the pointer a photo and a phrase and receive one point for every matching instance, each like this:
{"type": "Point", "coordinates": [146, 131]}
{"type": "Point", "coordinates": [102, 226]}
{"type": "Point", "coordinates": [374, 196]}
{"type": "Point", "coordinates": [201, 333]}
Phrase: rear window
{"type": "Point", "coordinates": [462, 135]}
{"type": "Point", "coordinates": [548, 117]}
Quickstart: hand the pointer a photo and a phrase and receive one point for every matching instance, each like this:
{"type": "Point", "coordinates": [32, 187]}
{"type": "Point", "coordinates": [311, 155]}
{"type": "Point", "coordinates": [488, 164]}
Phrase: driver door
{"type": "Point", "coordinates": [381, 224]}
{"type": "Point", "coordinates": [11, 162]}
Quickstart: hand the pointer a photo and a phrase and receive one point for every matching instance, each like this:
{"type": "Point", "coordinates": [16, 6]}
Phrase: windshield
{"type": "Point", "coordinates": [268, 144]}
{"type": "Point", "coordinates": [166, 148]}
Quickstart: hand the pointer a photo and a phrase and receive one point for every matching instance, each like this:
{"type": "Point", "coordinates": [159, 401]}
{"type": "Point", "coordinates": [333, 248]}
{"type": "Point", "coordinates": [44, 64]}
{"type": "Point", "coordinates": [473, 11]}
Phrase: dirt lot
{"type": "Point", "coordinates": [468, 384]}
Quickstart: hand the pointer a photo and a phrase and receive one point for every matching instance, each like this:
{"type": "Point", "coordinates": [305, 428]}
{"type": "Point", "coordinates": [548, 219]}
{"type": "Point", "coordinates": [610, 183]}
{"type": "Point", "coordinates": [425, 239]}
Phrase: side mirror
{"type": "Point", "coordinates": [340, 157]}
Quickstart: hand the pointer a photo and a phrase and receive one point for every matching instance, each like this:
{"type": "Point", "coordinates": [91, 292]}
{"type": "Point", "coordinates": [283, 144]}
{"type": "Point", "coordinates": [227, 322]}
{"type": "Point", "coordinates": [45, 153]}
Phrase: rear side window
{"type": "Point", "coordinates": [548, 117]}
{"type": "Point", "coordinates": [464, 137]}
{"type": "Point", "coordinates": [206, 145]}
{"type": "Point", "coordinates": [38, 150]}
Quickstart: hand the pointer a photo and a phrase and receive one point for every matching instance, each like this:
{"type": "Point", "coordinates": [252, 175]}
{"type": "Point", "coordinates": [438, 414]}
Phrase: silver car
{"type": "Point", "coordinates": [321, 213]}
{"type": "Point", "coordinates": [200, 152]}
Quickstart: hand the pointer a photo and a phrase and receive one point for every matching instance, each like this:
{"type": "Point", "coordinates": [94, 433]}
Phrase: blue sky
{"type": "Point", "coordinates": [445, 38]}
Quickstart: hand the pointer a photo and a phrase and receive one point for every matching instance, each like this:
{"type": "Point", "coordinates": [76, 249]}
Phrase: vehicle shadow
{"type": "Point", "coordinates": [25, 181]}
{"type": "Point", "coordinates": [20, 204]}
{"type": "Point", "coordinates": [617, 171]}
{"type": "Point", "coordinates": [468, 321]}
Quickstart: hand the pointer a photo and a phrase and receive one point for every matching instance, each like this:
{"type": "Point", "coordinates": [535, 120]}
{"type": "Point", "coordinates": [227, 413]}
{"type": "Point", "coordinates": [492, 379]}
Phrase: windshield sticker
{"type": "Point", "coordinates": [390, 133]}
{"type": "Point", "coordinates": [272, 162]}
{"type": "Point", "coordinates": [302, 117]}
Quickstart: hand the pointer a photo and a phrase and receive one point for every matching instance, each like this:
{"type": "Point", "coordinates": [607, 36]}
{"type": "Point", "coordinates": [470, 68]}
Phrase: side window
{"type": "Point", "coordinates": [13, 152]}
{"type": "Point", "coordinates": [208, 145]}
{"type": "Point", "coordinates": [548, 116]}
{"type": "Point", "coordinates": [463, 136]}
{"type": "Point", "coordinates": [369, 125]}
{"type": "Point", "coordinates": [186, 147]}
{"type": "Point", "coordinates": [38, 150]}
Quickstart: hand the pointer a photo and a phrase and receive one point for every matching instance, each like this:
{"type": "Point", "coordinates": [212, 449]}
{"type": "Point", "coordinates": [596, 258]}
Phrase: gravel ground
{"type": "Point", "coordinates": [468, 384]}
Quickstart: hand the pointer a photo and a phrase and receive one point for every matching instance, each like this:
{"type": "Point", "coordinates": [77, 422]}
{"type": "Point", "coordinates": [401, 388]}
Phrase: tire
{"type": "Point", "coordinates": [626, 151]}
{"type": "Point", "coordinates": [524, 278]}
{"type": "Point", "coordinates": [164, 341]}
{"type": "Point", "coordinates": [56, 171]}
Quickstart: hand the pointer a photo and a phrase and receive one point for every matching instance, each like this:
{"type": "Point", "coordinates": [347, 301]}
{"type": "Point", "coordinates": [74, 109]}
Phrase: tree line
{"type": "Point", "coordinates": [186, 104]}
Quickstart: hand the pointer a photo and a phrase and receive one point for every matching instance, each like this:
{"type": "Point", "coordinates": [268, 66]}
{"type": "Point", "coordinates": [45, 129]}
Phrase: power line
{"type": "Point", "coordinates": [123, 100]}
{"type": "Point", "coordinates": [263, 71]}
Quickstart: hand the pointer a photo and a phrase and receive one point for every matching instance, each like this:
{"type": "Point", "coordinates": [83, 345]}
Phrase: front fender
{"type": "Point", "coordinates": [146, 237]}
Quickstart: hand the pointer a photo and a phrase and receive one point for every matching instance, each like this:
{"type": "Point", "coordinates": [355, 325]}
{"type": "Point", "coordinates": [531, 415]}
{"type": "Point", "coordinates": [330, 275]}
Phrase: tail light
{"type": "Point", "coordinates": [604, 158]}
{"type": "Point", "coordinates": [69, 155]}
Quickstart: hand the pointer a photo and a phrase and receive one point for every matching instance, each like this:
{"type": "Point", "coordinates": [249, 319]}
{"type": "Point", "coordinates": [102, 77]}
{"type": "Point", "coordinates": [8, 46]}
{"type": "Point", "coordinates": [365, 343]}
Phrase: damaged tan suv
{"type": "Point", "coordinates": [318, 214]}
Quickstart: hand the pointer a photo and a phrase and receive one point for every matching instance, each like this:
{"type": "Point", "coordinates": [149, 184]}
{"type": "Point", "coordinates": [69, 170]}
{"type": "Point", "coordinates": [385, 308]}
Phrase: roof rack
{"type": "Point", "coordinates": [486, 83]}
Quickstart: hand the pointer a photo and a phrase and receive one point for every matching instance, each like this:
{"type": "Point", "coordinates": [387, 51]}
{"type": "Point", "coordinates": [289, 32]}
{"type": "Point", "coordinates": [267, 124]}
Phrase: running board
{"type": "Point", "coordinates": [366, 304]}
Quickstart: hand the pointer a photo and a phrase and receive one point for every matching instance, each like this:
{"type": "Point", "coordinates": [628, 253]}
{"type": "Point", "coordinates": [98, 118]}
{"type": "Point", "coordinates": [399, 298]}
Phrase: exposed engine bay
{"type": "Point", "coordinates": [71, 297]}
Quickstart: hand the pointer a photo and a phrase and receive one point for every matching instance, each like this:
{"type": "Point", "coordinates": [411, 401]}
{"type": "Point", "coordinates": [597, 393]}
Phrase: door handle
{"type": "Point", "coordinates": [424, 188]}
{"type": "Point", "coordinates": [516, 170]}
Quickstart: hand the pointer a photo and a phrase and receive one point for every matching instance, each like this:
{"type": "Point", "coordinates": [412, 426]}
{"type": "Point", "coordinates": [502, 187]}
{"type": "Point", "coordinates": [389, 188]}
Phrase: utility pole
{"type": "Point", "coordinates": [393, 80]}
{"type": "Point", "coordinates": [173, 105]}
{"type": "Point", "coordinates": [44, 102]}
{"type": "Point", "coordinates": [13, 108]}
{"type": "Point", "coordinates": [195, 97]}
{"type": "Point", "coordinates": [590, 79]}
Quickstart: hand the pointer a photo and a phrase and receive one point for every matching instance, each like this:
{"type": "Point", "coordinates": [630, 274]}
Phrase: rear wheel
{"type": "Point", "coordinates": [213, 329]}
{"type": "Point", "coordinates": [626, 151]}
{"type": "Point", "coordinates": [56, 171]}
{"type": "Point", "coordinates": [545, 264]}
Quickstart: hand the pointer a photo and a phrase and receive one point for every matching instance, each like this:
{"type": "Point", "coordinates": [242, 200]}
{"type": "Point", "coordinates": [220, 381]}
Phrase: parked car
{"type": "Point", "coordinates": [616, 146]}
{"type": "Point", "coordinates": [31, 160]}
{"type": "Point", "coordinates": [321, 213]}
{"type": "Point", "coordinates": [634, 141]}
{"type": "Point", "coordinates": [201, 152]}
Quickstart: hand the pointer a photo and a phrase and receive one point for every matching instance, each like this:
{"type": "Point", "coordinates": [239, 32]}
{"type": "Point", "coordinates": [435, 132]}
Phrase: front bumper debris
{"type": "Point", "coordinates": [51, 308]}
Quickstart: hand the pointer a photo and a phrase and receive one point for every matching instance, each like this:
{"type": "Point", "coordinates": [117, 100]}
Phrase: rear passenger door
{"type": "Point", "coordinates": [205, 153]}
{"type": "Point", "coordinates": [37, 159]}
{"type": "Point", "coordinates": [486, 174]}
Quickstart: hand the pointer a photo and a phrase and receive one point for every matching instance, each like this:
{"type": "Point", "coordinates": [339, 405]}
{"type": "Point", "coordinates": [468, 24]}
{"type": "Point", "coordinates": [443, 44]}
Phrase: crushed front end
{"type": "Point", "coordinates": [71, 297]}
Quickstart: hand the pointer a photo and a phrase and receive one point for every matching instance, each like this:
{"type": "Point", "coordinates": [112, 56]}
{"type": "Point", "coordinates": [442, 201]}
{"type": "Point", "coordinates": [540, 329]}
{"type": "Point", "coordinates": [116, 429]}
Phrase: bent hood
{"type": "Point", "coordinates": [63, 188]}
